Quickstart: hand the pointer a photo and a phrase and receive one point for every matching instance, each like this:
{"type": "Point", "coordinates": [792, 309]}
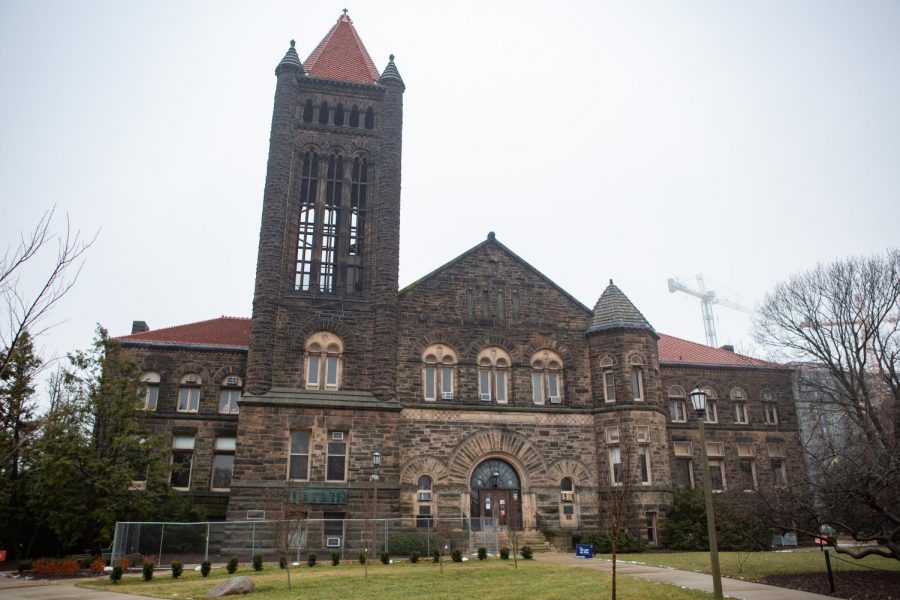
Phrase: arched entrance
{"type": "Point", "coordinates": [496, 492]}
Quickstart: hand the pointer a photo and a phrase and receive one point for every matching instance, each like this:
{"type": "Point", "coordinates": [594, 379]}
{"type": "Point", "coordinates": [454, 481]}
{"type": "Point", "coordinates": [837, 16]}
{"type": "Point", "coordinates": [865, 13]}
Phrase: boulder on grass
{"type": "Point", "coordinates": [232, 587]}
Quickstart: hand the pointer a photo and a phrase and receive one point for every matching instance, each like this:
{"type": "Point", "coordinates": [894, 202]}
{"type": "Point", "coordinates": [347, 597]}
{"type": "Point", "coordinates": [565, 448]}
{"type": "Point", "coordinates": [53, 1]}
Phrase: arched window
{"type": "Point", "coordinates": [308, 111]}
{"type": "Point", "coordinates": [339, 115]}
{"type": "Point", "coordinates": [331, 219]}
{"type": "Point", "coordinates": [493, 374]}
{"type": "Point", "coordinates": [739, 398]}
{"type": "Point", "coordinates": [323, 113]}
{"type": "Point", "coordinates": [229, 394]}
{"type": "Point", "coordinates": [567, 485]}
{"type": "Point", "coordinates": [306, 238]}
{"type": "Point", "coordinates": [546, 377]}
{"type": "Point", "coordinates": [637, 378]}
{"type": "Point", "coordinates": [354, 116]}
{"type": "Point", "coordinates": [677, 404]}
{"type": "Point", "coordinates": [151, 391]}
{"type": "Point", "coordinates": [712, 405]}
{"type": "Point", "coordinates": [609, 379]}
{"type": "Point", "coordinates": [324, 361]}
{"type": "Point", "coordinates": [359, 184]}
{"type": "Point", "coordinates": [189, 393]}
{"type": "Point", "coordinates": [424, 501]}
{"type": "Point", "coordinates": [370, 118]}
{"type": "Point", "coordinates": [438, 372]}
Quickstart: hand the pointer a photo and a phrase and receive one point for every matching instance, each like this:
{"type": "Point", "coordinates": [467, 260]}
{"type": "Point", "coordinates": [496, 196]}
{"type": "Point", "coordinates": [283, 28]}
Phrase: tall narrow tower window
{"type": "Point", "coordinates": [308, 111]}
{"type": "Point", "coordinates": [331, 221]}
{"type": "Point", "coordinates": [323, 113]}
{"type": "Point", "coordinates": [339, 115]}
{"type": "Point", "coordinates": [354, 116]}
{"type": "Point", "coordinates": [370, 118]}
{"type": "Point", "coordinates": [358, 188]}
{"type": "Point", "coordinates": [306, 238]}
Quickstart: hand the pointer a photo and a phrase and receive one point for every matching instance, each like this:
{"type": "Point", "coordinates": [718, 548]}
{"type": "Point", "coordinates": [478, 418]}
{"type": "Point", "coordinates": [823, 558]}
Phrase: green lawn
{"type": "Point", "coordinates": [472, 579]}
{"type": "Point", "coordinates": [759, 564]}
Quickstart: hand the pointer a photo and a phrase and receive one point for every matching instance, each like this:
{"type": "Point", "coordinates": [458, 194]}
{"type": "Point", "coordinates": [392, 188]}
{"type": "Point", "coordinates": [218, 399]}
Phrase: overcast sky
{"type": "Point", "coordinates": [629, 140]}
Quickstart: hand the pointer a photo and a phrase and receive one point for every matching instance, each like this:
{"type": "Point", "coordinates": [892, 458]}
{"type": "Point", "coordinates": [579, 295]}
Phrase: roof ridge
{"type": "Point", "coordinates": [170, 327]}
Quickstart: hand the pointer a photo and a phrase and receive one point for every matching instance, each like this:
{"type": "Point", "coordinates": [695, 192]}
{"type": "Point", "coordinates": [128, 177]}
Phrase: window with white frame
{"type": "Point", "coordinates": [151, 390]}
{"type": "Point", "coordinates": [684, 465]}
{"type": "Point", "coordinates": [546, 377]}
{"type": "Point", "coordinates": [779, 472]}
{"type": "Point", "coordinates": [229, 394]}
{"type": "Point", "coordinates": [747, 467]}
{"type": "Point", "coordinates": [189, 393]}
{"type": "Point", "coordinates": [616, 468]}
{"type": "Point", "coordinates": [493, 374]}
{"type": "Point", "coordinates": [182, 461]}
{"type": "Point", "coordinates": [651, 529]}
{"type": "Point", "coordinates": [324, 361]}
{"type": "Point", "coordinates": [223, 463]}
{"type": "Point", "coordinates": [715, 451]}
{"type": "Point", "coordinates": [712, 406]}
{"type": "Point", "coordinates": [677, 404]}
{"type": "Point", "coordinates": [637, 379]}
{"type": "Point", "coordinates": [609, 380]}
{"type": "Point", "coordinates": [336, 461]}
{"type": "Point", "coordinates": [644, 464]}
{"type": "Point", "coordinates": [771, 411]}
{"type": "Point", "coordinates": [298, 464]}
{"type": "Point", "coordinates": [424, 501]}
{"type": "Point", "coordinates": [739, 398]}
{"type": "Point", "coordinates": [439, 364]}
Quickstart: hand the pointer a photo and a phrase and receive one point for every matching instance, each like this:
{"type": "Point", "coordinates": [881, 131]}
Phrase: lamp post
{"type": "Point", "coordinates": [376, 462]}
{"type": "Point", "coordinates": [698, 399]}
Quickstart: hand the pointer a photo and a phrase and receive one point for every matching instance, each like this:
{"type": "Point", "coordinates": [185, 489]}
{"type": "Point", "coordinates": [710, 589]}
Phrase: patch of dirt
{"type": "Point", "coordinates": [853, 585]}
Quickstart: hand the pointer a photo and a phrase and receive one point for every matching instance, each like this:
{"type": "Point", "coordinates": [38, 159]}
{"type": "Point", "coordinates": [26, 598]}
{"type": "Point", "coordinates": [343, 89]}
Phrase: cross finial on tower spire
{"type": "Point", "coordinates": [345, 11]}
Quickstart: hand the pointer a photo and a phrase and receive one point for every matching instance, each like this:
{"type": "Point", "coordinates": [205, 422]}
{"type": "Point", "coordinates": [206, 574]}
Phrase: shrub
{"type": "Point", "coordinates": [456, 555]}
{"type": "Point", "coordinates": [232, 566]}
{"type": "Point", "coordinates": [116, 574]}
{"type": "Point", "coordinates": [504, 553]}
{"type": "Point", "coordinates": [482, 553]}
{"type": "Point", "coordinates": [97, 565]}
{"type": "Point", "coordinates": [25, 565]}
{"type": "Point", "coordinates": [436, 555]}
{"type": "Point", "coordinates": [407, 542]}
{"type": "Point", "coordinates": [84, 563]}
{"type": "Point", "coordinates": [738, 526]}
{"type": "Point", "coordinates": [685, 528]}
{"type": "Point", "coordinates": [362, 558]}
{"type": "Point", "coordinates": [55, 567]}
{"type": "Point", "coordinates": [413, 557]}
{"type": "Point", "coordinates": [257, 562]}
{"type": "Point", "coordinates": [335, 558]}
{"type": "Point", "coordinates": [282, 562]}
{"type": "Point", "coordinates": [385, 558]}
{"type": "Point", "coordinates": [526, 553]}
{"type": "Point", "coordinates": [125, 562]}
{"type": "Point", "coordinates": [149, 565]}
{"type": "Point", "coordinates": [177, 569]}
{"type": "Point", "coordinates": [311, 559]}
{"type": "Point", "coordinates": [205, 568]}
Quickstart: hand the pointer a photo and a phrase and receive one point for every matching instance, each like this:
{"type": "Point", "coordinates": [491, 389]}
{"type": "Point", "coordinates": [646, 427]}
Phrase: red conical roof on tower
{"type": "Point", "coordinates": [341, 55]}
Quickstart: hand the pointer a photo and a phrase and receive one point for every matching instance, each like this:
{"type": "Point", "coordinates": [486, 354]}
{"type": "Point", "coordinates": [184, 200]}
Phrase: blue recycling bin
{"type": "Point", "coordinates": [584, 551]}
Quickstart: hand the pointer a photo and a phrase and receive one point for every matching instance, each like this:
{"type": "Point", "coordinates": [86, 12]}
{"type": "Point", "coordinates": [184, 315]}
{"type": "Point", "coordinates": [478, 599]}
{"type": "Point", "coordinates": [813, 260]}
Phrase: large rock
{"type": "Point", "coordinates": [232, 587]}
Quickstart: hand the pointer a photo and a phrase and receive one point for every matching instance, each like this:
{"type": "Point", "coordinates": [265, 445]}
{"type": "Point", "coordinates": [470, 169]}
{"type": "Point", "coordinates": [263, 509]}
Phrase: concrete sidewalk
{"type": "Point", "coordinates": [60, 589]}
{"type": "Point", "coordinates": [732, 588]}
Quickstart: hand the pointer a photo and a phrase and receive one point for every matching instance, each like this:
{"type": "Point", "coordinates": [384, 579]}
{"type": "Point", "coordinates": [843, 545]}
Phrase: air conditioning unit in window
{"type": "Point", "coordinates": [256, 515]}
{"type": "Point", "coordinates": [485, 397]}
{"type": "Point", "coordinates": [337, 435]}
{"type": "Point", "coordinates": [424, 496]}
{"type": "Point", "coordinates": [446, 395]}
{"type": "Point", "coordinates": [138, 485]}
{"type": "Point", "coordinates": [232, 380]}
{"type": "Point", "coordinates": [567, 496]}
{"type": "Point", "coordinates": [332, 542]}
{"type": "Point", "coordinates": [555, 400]}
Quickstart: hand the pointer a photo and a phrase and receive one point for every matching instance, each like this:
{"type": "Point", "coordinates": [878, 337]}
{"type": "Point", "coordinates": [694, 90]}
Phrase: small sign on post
{"type": "Point", "coordinates": [584, 551]}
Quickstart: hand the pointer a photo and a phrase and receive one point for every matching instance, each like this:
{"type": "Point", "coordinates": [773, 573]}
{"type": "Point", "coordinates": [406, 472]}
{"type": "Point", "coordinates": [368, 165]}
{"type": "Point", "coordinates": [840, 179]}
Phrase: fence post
{"type": "Point", "coordinates": [386, 548]}
{"type": "Point", "coordinates": [162, 533]}
{"type": "Point", "coordinates": [112, 554]}
{"type": "Point", "coordinates": [253, 541]}
{"type": "Point", "coordinates": [206, 552]}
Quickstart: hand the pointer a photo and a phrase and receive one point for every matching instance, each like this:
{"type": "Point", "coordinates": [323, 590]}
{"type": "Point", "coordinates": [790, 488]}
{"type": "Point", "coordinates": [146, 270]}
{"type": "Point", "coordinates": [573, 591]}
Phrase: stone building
{"type": "Point", "coordinates": [487, 389]}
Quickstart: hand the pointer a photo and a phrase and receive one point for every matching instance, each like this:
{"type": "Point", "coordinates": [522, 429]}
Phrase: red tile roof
{"type": "Point", "coordinates": [235, 331]}
{"type": "Point", "coordinates": [341, 55]}
{"type": "Point", "coordinates": [223, 331]}
{"type": "Point", "coordinates": [677, 350]}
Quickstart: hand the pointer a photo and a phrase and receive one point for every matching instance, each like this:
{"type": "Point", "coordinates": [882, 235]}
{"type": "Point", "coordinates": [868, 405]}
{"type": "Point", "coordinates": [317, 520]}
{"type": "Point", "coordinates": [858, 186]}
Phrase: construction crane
{"type": "Point", "coordinates": [707, 299]}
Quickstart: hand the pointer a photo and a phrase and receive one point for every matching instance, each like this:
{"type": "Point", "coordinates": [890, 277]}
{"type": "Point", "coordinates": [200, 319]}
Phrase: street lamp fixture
{"type": "Point", "coordinates": [376, 459]}
{"type": "Point", "coordinates": [698, 399]}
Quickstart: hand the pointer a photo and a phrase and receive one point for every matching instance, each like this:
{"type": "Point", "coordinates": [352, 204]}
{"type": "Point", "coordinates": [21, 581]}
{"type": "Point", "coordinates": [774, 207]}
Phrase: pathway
{"type": "Point", "coordinates": [732, 588]}
{"type": "Point", "coordinates": [60, 589]}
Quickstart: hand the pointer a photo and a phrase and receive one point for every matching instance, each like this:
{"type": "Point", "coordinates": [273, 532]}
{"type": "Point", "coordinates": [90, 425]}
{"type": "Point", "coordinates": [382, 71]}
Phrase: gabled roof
{"type": "Point", "coordinates": [231, 332]}
{"type": "Point", "coordinates": [679, 351]}
{"type": "Point", "coordinates": [492, 240]}
{"type": "Point", "coordinates": [615, 311]}
{"type": "Point", "coordinates": [341, 55]}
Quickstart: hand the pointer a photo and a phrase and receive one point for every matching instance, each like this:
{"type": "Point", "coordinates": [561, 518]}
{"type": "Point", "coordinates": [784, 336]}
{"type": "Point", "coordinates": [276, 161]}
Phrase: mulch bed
{"type": "Point", "coordinates": [853, 585]}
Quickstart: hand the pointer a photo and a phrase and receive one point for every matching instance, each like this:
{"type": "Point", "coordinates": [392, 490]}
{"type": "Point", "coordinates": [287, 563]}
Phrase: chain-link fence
{"type": "Point", "coordinates": [219, 541]}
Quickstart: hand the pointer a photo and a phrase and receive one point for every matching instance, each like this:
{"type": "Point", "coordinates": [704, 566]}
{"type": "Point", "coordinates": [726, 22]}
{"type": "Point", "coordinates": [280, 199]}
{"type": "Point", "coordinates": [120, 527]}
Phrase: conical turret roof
{"type": "Point", "coordinates": [615, 311]}
{"type": "Point", "coordinates": [290, 60]}
{"type": "Point", "coordinates": [391, 72]}
{"type": "Point", "coordinates": [341, 55]}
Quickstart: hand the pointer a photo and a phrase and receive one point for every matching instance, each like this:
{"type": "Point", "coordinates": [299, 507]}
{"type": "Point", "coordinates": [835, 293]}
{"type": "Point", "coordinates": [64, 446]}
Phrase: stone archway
{"type": "Point", "coordinates": [496, 492]}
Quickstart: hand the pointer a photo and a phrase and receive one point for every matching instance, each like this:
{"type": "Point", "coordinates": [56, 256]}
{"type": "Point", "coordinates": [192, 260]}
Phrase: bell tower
{"type": "Point", "coordinates": [329, 239]}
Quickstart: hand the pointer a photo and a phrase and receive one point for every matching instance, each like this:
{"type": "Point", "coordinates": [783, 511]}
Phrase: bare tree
{"type": "Point", "coordinates": [289, 531]}
{"type": "Point", "coordinates": [614, 496]}
{"type": "Point", "coordinates": [22, 309]}
{"type": "Point", "coordinates": [840, 322]}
